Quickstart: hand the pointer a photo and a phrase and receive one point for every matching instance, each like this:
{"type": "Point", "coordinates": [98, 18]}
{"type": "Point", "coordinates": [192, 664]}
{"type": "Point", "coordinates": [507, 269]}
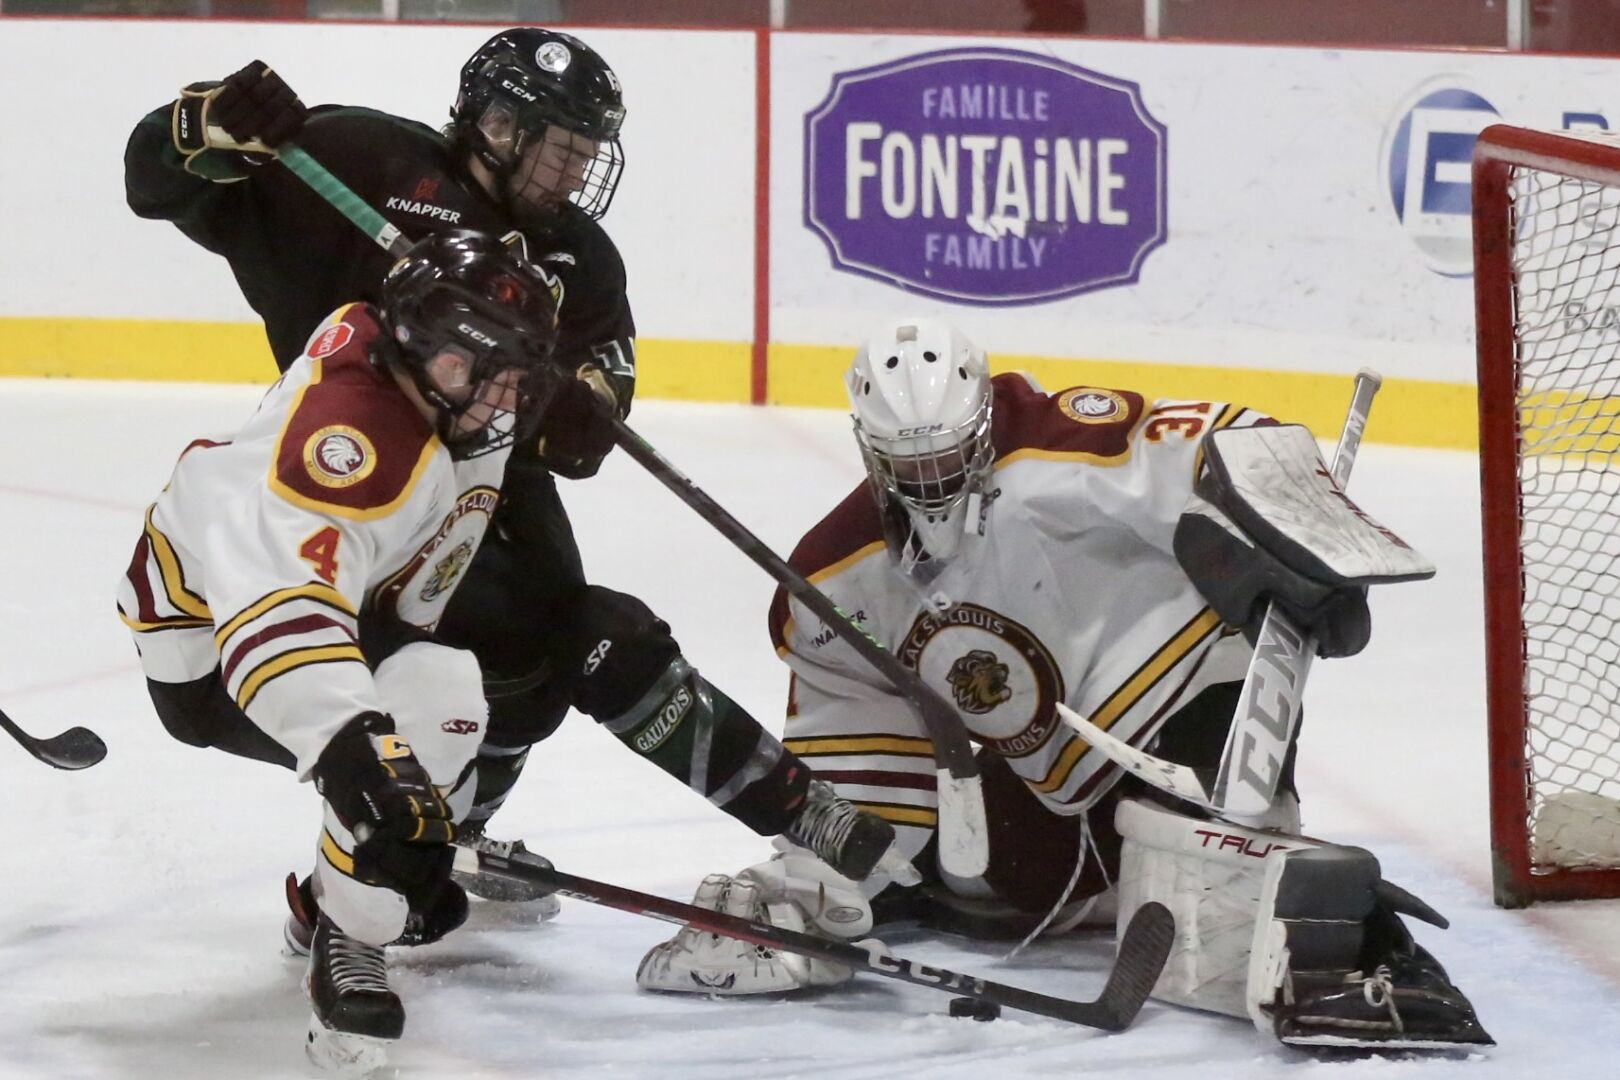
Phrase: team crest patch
{"type": "Point", "coordinates": [1087, 406]}
{"type": "Point", "coordinates": [1001, 675]}
{"type": "Point", "coordinates": [446, 571]}
{"type": "Point", "coordinates": [331, 340]}
{"type": "Point", "coordinates": [338, 456]}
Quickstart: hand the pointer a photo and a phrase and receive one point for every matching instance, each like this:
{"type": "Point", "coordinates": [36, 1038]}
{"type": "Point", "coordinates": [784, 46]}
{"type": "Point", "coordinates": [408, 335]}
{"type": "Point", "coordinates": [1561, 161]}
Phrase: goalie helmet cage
{"type": "Point", "coordinates": [1547, 306]}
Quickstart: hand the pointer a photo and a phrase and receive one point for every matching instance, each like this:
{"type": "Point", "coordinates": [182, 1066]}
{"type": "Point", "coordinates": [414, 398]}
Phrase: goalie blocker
{"type": "Point", "coordinates": [1266, 522]}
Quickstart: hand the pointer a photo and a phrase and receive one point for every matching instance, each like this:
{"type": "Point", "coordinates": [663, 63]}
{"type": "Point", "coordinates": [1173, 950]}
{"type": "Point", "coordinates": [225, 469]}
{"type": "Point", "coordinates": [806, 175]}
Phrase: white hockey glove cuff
{"type": "Point", "coordinates": [795, 892]}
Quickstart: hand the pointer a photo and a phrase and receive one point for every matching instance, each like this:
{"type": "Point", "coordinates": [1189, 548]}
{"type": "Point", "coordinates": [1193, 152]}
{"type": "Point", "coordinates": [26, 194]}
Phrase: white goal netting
{"type": "Point", "coordinates": [1566, 265]}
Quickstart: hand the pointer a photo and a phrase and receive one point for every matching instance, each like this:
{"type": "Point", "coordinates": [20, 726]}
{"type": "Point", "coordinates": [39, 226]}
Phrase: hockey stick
{"type": "Point", "coordinates": [1266, 719]}
{"type": "Point", "coordinates": [1143, 949]}
{"type": "Point", "coordinates": [76, 748]}
{"type": "Point", "coordinates": [963, 836]}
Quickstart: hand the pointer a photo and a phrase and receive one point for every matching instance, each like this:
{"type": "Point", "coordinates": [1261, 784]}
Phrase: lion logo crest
{"type": "Point", "coordinates": [979, 681]}
{"type": "Point", "coordinates": [338, 456]}
{"type": "Point", "coordinates": [446, 571]}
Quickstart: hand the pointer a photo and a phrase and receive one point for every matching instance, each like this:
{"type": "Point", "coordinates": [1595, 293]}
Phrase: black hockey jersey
{"type": "Point", "coordinates": [296, 258]}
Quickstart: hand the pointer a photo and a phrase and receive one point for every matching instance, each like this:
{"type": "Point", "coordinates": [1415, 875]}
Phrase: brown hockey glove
{"type": "Point", "coordinates": [576, 430]}
{"type": "Point", "coordinates": [382, 794]}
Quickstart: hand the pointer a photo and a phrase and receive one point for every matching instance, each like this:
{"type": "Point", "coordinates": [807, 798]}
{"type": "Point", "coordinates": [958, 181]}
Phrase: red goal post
{"type": "Point", "coordinates": [1546, 211]}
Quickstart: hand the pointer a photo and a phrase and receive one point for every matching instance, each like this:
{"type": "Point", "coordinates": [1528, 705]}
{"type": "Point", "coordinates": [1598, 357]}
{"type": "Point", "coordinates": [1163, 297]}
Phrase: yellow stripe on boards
{"type": "Point", "coordinates": [1410, 412]}
{"type": "Point", "coordinates": [142, 349]}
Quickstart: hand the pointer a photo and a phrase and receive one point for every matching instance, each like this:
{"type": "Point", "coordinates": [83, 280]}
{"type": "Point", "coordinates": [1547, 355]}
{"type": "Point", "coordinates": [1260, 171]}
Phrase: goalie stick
{"type": "Point", "coordinates": [76, 748]}
{"type": "Point", "coordinates": [964, 848]}
{"type": "Point", "coordinates": [1266, 719]}
{"type": "Point", "coordinates": [1144, 948]}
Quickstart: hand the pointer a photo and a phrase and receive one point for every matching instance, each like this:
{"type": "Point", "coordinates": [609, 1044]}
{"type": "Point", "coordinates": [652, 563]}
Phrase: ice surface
{"type": "Point", "coordinates": [140, 908]}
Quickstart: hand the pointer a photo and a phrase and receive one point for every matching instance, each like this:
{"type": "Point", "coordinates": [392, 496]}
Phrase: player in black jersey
{"type": "Point", "coordinates": [533, 146]}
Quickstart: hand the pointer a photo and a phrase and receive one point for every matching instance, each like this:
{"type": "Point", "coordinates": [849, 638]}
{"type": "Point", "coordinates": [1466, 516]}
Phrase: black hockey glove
{"type": "Point", "coordinates": [246, 115]}
{"type": "Point", "coordinates": [381, 793]}
{"type": "Point", "coordinates": [576, 430]}
{"type": "Point", "coordinates": [256, 105]}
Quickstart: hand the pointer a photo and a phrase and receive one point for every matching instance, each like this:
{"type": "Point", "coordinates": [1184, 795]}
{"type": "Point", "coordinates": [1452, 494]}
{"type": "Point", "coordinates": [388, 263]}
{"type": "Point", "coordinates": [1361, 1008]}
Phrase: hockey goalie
{"type": "Point", "coordinates": [1020, 549]}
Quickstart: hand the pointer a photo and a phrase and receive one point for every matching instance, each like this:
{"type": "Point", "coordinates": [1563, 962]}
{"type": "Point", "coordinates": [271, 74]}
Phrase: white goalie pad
{"type": "Point", "coordinates": [795, 891]}
{"type": "Point", "coordinates": [1219, 881]}
{"type": "Point", "coordinates": [1273, 484]}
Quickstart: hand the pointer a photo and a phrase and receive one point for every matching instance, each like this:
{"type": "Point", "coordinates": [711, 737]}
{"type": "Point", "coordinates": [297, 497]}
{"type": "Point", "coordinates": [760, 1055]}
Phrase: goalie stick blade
{"type": "Point", "coordinates": [1178, 780]}
{"type": "Point", "coordinates": [74, 749]}
{"type": "Point", "coordinates": [1143, 952]}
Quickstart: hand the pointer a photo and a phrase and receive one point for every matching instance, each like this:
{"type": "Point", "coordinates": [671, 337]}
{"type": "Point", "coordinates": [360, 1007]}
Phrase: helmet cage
{"type": "Point", "coordinates": [507, 102]}
{"type": "Point", "coordinates": [496, 315]}
{"type": "Point", "coordinates": [929, 476]}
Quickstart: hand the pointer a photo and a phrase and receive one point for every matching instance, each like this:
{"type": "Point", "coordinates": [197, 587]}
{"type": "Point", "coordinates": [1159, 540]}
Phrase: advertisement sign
{"type": "Point", "coordinates": [986, 176]}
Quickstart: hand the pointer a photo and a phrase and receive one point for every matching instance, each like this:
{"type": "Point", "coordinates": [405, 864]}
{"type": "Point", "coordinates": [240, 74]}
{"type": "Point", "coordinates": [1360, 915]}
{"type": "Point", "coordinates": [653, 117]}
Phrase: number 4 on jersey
{"type": "Point", "coordinates": [320, 551]}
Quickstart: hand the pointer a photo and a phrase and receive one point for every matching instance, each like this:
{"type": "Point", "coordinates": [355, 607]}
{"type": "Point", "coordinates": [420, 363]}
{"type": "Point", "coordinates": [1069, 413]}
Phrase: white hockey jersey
{"type": "Point", "coordinates": [264, 547]}
{"type": "Point", "coordinates": [1071, 593]}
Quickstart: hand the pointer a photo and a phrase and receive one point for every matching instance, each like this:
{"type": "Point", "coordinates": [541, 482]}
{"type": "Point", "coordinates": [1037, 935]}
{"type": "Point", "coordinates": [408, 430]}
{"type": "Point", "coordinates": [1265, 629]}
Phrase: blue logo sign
{"type": "Point", "coordinates": [986, 176]}
{"type": "Point", "coordinates": [1429, 170]}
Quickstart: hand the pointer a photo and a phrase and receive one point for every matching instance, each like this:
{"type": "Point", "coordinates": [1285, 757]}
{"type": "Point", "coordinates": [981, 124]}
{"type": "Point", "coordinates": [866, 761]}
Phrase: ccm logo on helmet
{"type": "Point", "coordinates": [507, 84]}
{"type": "Point", "coordinates": [926, 429]}
{"type": "Point", "coordinates": [476, 335]}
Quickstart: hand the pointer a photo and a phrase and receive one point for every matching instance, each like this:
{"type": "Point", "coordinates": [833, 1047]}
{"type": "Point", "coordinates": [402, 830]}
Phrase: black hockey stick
{"type": "Point", "coordinates": [963, 836]}
{"type": "Point", "coordinates": [1143, 950]}
{"type": "Point", "coordinates": [76, 748]}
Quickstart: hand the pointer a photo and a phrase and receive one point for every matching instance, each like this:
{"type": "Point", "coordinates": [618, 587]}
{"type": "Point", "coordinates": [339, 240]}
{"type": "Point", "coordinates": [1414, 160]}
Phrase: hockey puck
{"type": "Point", "coordinates": [975, 1007]}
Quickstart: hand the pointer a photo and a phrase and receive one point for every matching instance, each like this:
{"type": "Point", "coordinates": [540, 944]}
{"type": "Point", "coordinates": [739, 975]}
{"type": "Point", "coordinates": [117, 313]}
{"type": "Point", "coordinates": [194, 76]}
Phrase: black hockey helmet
{"type": "Point", "coordinates": [524, 80]}
{"type": "Point", "coordinates": [470, 295]}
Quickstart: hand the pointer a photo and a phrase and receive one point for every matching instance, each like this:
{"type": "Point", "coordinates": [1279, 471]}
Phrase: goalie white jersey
{"type": "Point", "coordinates": [1068, 591]}
{"type": "Point", "coordinates": [262, 551]}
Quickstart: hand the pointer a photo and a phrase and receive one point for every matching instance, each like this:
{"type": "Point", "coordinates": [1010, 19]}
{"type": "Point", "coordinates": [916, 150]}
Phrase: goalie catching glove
{"type": "Point", "coordinates": [794, 891]}
{"type": "Point", "coordinates": [245, 117]}
{"type": "Point", "coordinates": [1267, 524]}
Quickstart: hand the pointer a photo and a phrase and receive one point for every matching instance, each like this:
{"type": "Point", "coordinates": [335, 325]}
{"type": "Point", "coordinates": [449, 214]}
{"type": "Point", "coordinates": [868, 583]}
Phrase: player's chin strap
{"type": "Point", "coordinates": [964, 846]}
{"type": "Point", "coordinates": [1266, 719]}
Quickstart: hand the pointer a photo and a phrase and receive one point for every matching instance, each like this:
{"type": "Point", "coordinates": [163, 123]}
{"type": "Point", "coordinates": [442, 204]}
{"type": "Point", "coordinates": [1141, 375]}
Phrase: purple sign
{"type": "Point", "coordinates": [986, 176]}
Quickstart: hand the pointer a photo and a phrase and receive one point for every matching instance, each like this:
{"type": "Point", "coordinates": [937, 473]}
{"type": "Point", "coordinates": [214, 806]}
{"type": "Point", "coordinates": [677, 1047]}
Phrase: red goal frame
{"type": "Point", "coordinates": [1500, 149]}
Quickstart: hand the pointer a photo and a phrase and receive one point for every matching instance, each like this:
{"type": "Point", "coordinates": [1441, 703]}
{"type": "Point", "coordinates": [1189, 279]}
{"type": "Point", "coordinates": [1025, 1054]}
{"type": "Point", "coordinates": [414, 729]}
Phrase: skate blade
{"type": "Point", "coordinates": [342, 1053]}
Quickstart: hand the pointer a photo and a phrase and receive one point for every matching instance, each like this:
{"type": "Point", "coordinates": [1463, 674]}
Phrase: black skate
{"type": "Point", "coordinates": [356, 1015]}
{"type": "Point", "coordinates": [845, 837]}
{"type": "Point", "coordinates": [303, 912]}
{"type": "Point", "coordinates": [503, 890]}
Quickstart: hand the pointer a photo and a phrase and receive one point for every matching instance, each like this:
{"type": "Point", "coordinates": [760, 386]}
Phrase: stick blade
{"type": "Point", "coordinates": [1144, 949]}
{"type": "Point", "coordinates": [74, 749]}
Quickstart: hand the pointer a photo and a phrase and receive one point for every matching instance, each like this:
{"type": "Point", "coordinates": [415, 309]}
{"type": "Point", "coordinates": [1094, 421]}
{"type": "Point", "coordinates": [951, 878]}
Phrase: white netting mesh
{"type": "Point", "coordinates": [1566, 263]}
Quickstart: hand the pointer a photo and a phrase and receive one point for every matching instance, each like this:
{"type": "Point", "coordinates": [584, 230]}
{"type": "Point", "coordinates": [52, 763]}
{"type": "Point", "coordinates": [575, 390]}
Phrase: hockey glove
{"type": "Point", "coordinates": [247, 116]}
{"type": "Point", "coordinates": [576, 430]}
{"type": "Point", "coordinates": [382, 794]}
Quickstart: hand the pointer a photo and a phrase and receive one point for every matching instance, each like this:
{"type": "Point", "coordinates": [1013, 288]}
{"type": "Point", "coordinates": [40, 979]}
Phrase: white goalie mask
{"type": "Point", "coordinates": [919, 391]}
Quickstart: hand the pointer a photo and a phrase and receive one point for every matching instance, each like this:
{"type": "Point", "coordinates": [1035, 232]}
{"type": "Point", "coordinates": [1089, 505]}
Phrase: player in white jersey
{"type": "Point", "coordinates": [285, 589]}
{"type": "Point", "coordinates": [1019, 549]}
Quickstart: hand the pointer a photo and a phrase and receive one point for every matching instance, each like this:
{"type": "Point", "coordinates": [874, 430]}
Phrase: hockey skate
{"type": "Point", "coordinates": [846, 838]}
{"type": "Point", "coordinates": [355, 1014]}
{"type": "Point", "coordinates": [543, 903]}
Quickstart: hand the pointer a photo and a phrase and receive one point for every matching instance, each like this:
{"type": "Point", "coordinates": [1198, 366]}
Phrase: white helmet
{"type": "Point", "coordinates": [920, 394]}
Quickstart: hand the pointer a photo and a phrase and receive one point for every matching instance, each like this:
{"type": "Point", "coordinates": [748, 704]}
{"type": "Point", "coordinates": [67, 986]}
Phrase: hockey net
{"type": "Point", "coordinates": [1547, 295]}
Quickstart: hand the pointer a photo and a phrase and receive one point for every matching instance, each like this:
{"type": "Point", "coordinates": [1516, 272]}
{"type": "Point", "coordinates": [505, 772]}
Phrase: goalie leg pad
{"type": "Point", "coordinates": [1300, 937]}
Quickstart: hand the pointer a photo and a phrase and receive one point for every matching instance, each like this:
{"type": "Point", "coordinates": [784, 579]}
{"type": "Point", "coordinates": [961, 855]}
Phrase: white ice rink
{"type": "Point", "coordinates": [140, 901]}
